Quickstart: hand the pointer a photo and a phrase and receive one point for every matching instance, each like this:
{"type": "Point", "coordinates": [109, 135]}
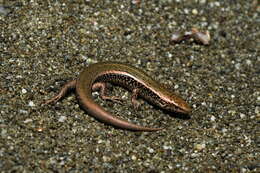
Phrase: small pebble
{"type": "Point", "coordinates": [242, 115]}
{"type": "Point", "coordinates": [4, 10]}
{"type": "Point", "coordinates": [24, 91]}
{"type": "Point", "coordinates": [202, 1]}
{"type": "Point", "coordinates": [212, 118]}
{"type": "Point", "coordinates": [176, 37]}
{"type": "Point", "coordinates": [133, 157]}
{"type": "Point", "coordinates": [195, 11]}
{"type": "Point", "coordinates": [62, 119]}
{"type": "Point", "coordinates": [199, 147]}
{"type": "Point", "coordinates": [224, 130]}
{"type": "Point", "coordinates": [31, 103]}
{"type": "Point", "coordinates": [106, 159]}
{"type": "Point", "coordinates": [28, 120]}
{"type": "Point", "coordinates": [151, 150]}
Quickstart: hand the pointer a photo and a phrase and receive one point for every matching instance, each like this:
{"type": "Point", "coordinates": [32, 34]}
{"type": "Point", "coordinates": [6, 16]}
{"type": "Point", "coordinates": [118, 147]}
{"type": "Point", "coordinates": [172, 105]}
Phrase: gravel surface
{"type": "Point", "coordinates": [43, 44]}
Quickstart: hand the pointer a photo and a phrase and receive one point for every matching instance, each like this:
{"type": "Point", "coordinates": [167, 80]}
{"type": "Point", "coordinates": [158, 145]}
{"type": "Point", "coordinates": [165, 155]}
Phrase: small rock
{"type": "Point", "coordinates": [62, 119]}
{"type": "Point", "coordinates": [195, 11]}
{"type": "Point", "coordinates": [31, 103]}
{"type": "Point", "coordinates": [199, 147]}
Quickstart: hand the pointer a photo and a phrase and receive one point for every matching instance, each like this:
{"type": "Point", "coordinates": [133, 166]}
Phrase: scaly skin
{"type": "Point", "coordinates": [97, 75]}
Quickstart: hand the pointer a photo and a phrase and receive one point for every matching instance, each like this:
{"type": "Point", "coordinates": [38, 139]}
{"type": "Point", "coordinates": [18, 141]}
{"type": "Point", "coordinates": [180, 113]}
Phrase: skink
{"type": "Point", "coordinates": [97, 76]}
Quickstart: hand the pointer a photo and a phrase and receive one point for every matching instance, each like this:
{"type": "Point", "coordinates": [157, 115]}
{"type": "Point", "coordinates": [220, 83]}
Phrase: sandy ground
{"type": "Point", "coordinates": [43, 44]}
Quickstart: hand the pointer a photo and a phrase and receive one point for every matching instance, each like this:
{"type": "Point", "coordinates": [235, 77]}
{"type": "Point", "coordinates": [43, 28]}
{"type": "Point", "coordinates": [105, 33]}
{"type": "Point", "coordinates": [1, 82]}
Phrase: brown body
{"type": "Point", "coordinates": [97, 75]}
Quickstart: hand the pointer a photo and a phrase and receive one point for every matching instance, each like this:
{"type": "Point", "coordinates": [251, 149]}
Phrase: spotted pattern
{"type": "Point", "coordinates": [130, 83]}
